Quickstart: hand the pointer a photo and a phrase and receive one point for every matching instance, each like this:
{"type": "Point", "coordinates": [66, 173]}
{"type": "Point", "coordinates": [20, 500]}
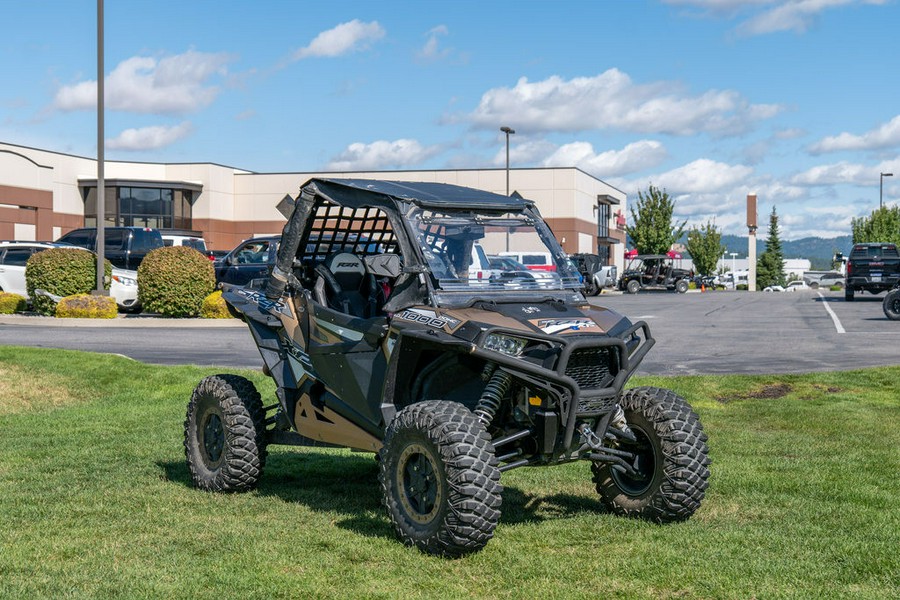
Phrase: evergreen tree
{"type": "Point", "coordinates": [770, 267]}
{"type": "Point", "coordinates": [883, 225]}
{"type": "Point", "coordinates": [704, 244]}
{"type": "Point", "coordinates": [653, 231]}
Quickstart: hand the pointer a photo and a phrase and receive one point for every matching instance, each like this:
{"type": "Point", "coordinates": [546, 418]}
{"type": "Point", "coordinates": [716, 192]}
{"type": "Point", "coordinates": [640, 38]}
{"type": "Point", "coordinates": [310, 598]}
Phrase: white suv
{"type": "Point", "coordinates": [14, 256]}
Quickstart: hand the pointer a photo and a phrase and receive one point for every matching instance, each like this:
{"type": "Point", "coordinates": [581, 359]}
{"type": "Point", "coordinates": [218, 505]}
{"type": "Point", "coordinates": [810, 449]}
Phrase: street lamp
{"type": "Point", "coordinates": [733, 254]}
{"type": "Point", "coordinates": [508, 131]}
{"type": "Point", "coordinates": [880, 184]}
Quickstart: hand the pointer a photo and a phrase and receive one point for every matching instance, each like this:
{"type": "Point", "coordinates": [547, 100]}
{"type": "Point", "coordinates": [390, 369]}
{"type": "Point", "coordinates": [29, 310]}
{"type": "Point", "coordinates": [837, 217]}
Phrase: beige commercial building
{"type": "Point", "coordinates": [45, 194]}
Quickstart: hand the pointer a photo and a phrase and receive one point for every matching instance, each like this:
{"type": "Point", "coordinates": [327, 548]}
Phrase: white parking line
{"type": "Point", "coordinates": [834, 317]}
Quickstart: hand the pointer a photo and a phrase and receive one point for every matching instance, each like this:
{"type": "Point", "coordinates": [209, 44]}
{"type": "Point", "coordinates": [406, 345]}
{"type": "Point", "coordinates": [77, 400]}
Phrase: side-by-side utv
{"type": "Point", "coordinates": [382, 336]}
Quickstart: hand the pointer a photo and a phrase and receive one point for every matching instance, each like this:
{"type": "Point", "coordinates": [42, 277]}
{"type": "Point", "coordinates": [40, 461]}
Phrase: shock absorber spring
{"type": "Point", "coordinates": [493, 395]}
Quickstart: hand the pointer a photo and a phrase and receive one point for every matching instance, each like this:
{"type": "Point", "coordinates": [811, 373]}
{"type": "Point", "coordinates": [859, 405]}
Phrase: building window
{"type": "Point", "coordinates": [126, 206]}
{"type": "Point", "coordinates": [602, 220]}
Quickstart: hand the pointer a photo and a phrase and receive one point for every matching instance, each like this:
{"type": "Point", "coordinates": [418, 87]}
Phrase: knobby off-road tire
{"type": "Point", "coordinates": [682, 286]}
{"type": "Point", "coordinates": [439, 479]}
{"type": "Point", "coordinates": [672, 465]}
{"type": "Point", "coordinates": [633, 286]}
{"type": "Point", "coordinates": [224, 434]}
{"type": "Point", "coordinates": [891, 305]}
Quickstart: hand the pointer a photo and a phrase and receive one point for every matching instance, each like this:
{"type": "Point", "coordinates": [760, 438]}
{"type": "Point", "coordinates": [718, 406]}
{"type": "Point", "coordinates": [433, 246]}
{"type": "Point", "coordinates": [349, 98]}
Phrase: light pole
{"type": "Point", "coordinates": [880, 184]}
{"type": "Point", "coordinates": [508, 131]}
{"type": "Point", "coordinates": [733, 254]}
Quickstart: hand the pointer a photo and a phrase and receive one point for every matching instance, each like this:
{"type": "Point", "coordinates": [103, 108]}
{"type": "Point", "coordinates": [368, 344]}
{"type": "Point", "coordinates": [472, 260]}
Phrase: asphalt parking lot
{"type": "Point", "coordinates": [697, 333]}
{"type": "Point", "coordinates": [744, 332]}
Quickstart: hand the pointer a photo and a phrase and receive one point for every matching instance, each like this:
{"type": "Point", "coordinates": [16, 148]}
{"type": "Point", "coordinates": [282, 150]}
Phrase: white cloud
{"type": "Point", "coordinates": [637, 156]}
{"type": "Point", "coordinates": [703, 176]}
{"type": "Point", "coordinates": [793, 15]}
{"type": "Point", "coordinates": [149, 138]}
{"type": "Point", "coordinates": [835, 174]}
{"type": "Point", "coordinates": [612, 100]}
{"type": "Point", "coordinates": [345, 38]}
{"type": "Point", "coordinates": [141, 84]}
{"type": "Point", "coordinates": [844, 172]}
{"type": "Point", "coordinates": [770, 16]}
{"type": "Point", "coordinates": [528, 151]}
{"type": "Point", "coordinates": [382, 154]}
{"type": "Point", "coordinates": [431, 50]}
{"type": "Point", "coordinates": [885, 136]}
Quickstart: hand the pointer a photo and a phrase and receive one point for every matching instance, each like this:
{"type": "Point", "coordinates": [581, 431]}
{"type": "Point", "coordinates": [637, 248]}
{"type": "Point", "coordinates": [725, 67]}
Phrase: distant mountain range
{"type": "Point", "coordinates": [818, 250]}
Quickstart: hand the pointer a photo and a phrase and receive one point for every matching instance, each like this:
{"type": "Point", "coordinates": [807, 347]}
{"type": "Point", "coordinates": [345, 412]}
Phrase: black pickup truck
{"type": "Point", "coordinates": [871, 267]}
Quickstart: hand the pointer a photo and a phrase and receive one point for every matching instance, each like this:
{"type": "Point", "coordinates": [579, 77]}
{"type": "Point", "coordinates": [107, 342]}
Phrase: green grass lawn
{"type": "Point", "coordinates": [95, 501]}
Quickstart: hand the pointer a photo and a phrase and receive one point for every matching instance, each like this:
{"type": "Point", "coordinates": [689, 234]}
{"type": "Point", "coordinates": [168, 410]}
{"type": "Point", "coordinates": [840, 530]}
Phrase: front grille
{"type": "Point", "coordinates": [592, 368]}
{"type": "Point", "coordinates": [595, 405]}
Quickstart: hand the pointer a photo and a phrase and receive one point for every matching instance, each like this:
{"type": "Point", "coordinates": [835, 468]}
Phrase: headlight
{"type": "Point", "coordinates": [125, 280]}
{"type": "Point", "coordinates": [505, 344]}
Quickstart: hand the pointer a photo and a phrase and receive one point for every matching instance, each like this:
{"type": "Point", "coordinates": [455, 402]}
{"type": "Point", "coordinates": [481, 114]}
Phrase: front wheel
{"type": "Point", "coordinates": [439, 479]}
{"type": "Point", "coordinates": [891, 305]}
{"type": "Point", "coordinates": [681, 286]}
{"type": "Point", "coordinates": [633, 286]}
{"type": "Point", "coordinates": [671, 464]}
{"type": "Point", "coordinates": [224, 434]}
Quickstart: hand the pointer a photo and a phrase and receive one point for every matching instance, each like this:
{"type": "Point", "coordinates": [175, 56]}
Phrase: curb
{"type": "Point", "coordinates": [122, 321]}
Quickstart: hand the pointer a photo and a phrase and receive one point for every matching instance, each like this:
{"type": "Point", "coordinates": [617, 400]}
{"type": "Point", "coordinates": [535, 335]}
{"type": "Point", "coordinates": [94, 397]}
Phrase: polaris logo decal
{"type": "Point", "coordinates": [551, 326]}
{"type": "Point", "coordinates": [427, 317]}
{"type": "Point", "coordinates": [265, 304]}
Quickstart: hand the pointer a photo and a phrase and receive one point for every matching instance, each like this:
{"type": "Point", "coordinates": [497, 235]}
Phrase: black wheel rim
{"type": "Point", "coordinates": [420, 489]}
{"type": "Point", "coordinates": [894, 304]}
{"type": "Point", "coordinates": [645, 465]}
{"type": "Point", "coordinates": [212, 440]}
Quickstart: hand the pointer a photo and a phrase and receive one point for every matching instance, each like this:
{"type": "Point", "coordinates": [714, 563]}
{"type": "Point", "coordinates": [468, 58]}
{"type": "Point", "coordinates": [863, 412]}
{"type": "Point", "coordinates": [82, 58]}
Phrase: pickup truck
{"type": "Point", "coordinates": [871, 267]}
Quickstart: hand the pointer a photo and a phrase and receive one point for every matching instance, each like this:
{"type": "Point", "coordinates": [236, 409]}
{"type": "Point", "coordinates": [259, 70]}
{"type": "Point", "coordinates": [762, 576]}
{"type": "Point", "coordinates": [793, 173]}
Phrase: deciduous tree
{"type": "Point", "coordinates": [704, 244]}
{"type": "Point", "coordinates": [653, 230]}
{"type": "Point", "coordinates": [883, 225]}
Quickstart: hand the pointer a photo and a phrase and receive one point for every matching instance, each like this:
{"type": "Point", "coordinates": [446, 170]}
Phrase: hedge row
{"type": "Point", "coordinates": [174, 281]}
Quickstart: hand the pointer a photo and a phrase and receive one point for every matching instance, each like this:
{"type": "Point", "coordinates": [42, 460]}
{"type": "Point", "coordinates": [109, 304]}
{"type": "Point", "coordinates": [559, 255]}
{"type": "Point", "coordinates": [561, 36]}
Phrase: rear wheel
{"type": "Point", "coordinates": [440, 479]}
{"type": "Point", "coordinates": [891, 305]}
{"type": "Point", "coordinates": [591, 288]}
{"type": "Point", "coordinates": [671, 465]}
{"type": "Point", "coordinates": [224, 434]}
{"type": "Point", "coordinates": [633, 286]}
{"type": "Point", "coordinates": [848, 294]}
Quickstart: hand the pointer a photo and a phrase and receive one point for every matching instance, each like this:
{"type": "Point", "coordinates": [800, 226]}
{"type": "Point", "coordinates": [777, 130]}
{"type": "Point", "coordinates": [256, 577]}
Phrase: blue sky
{"type": "Point", "coordinates": [795, 100]}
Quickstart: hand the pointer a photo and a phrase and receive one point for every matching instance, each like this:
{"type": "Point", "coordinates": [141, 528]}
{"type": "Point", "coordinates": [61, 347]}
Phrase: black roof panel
{"type": "Point", "coordinates": [432, 195]}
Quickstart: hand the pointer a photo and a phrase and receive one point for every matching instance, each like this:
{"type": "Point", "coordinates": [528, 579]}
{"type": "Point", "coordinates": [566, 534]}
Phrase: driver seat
{"type": "Point", "coordinates": [344, 285]}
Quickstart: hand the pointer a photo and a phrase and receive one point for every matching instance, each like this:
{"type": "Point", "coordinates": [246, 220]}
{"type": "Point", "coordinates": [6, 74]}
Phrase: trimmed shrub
{"type": "Point", "coordinates": [836, 288]}
{"type": "Point", "coordinates": [742, 287]}
{"type": "Point", "coordinates": [62, 272]}
{"type": "Point", "coordinates": [214, 307]}
{"type": "Point", "coordinates": [174, 280]}
{"type": "Point", "coordinates": [11, 303]}
{"type": "Point", "coordinates": [87, 306]}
